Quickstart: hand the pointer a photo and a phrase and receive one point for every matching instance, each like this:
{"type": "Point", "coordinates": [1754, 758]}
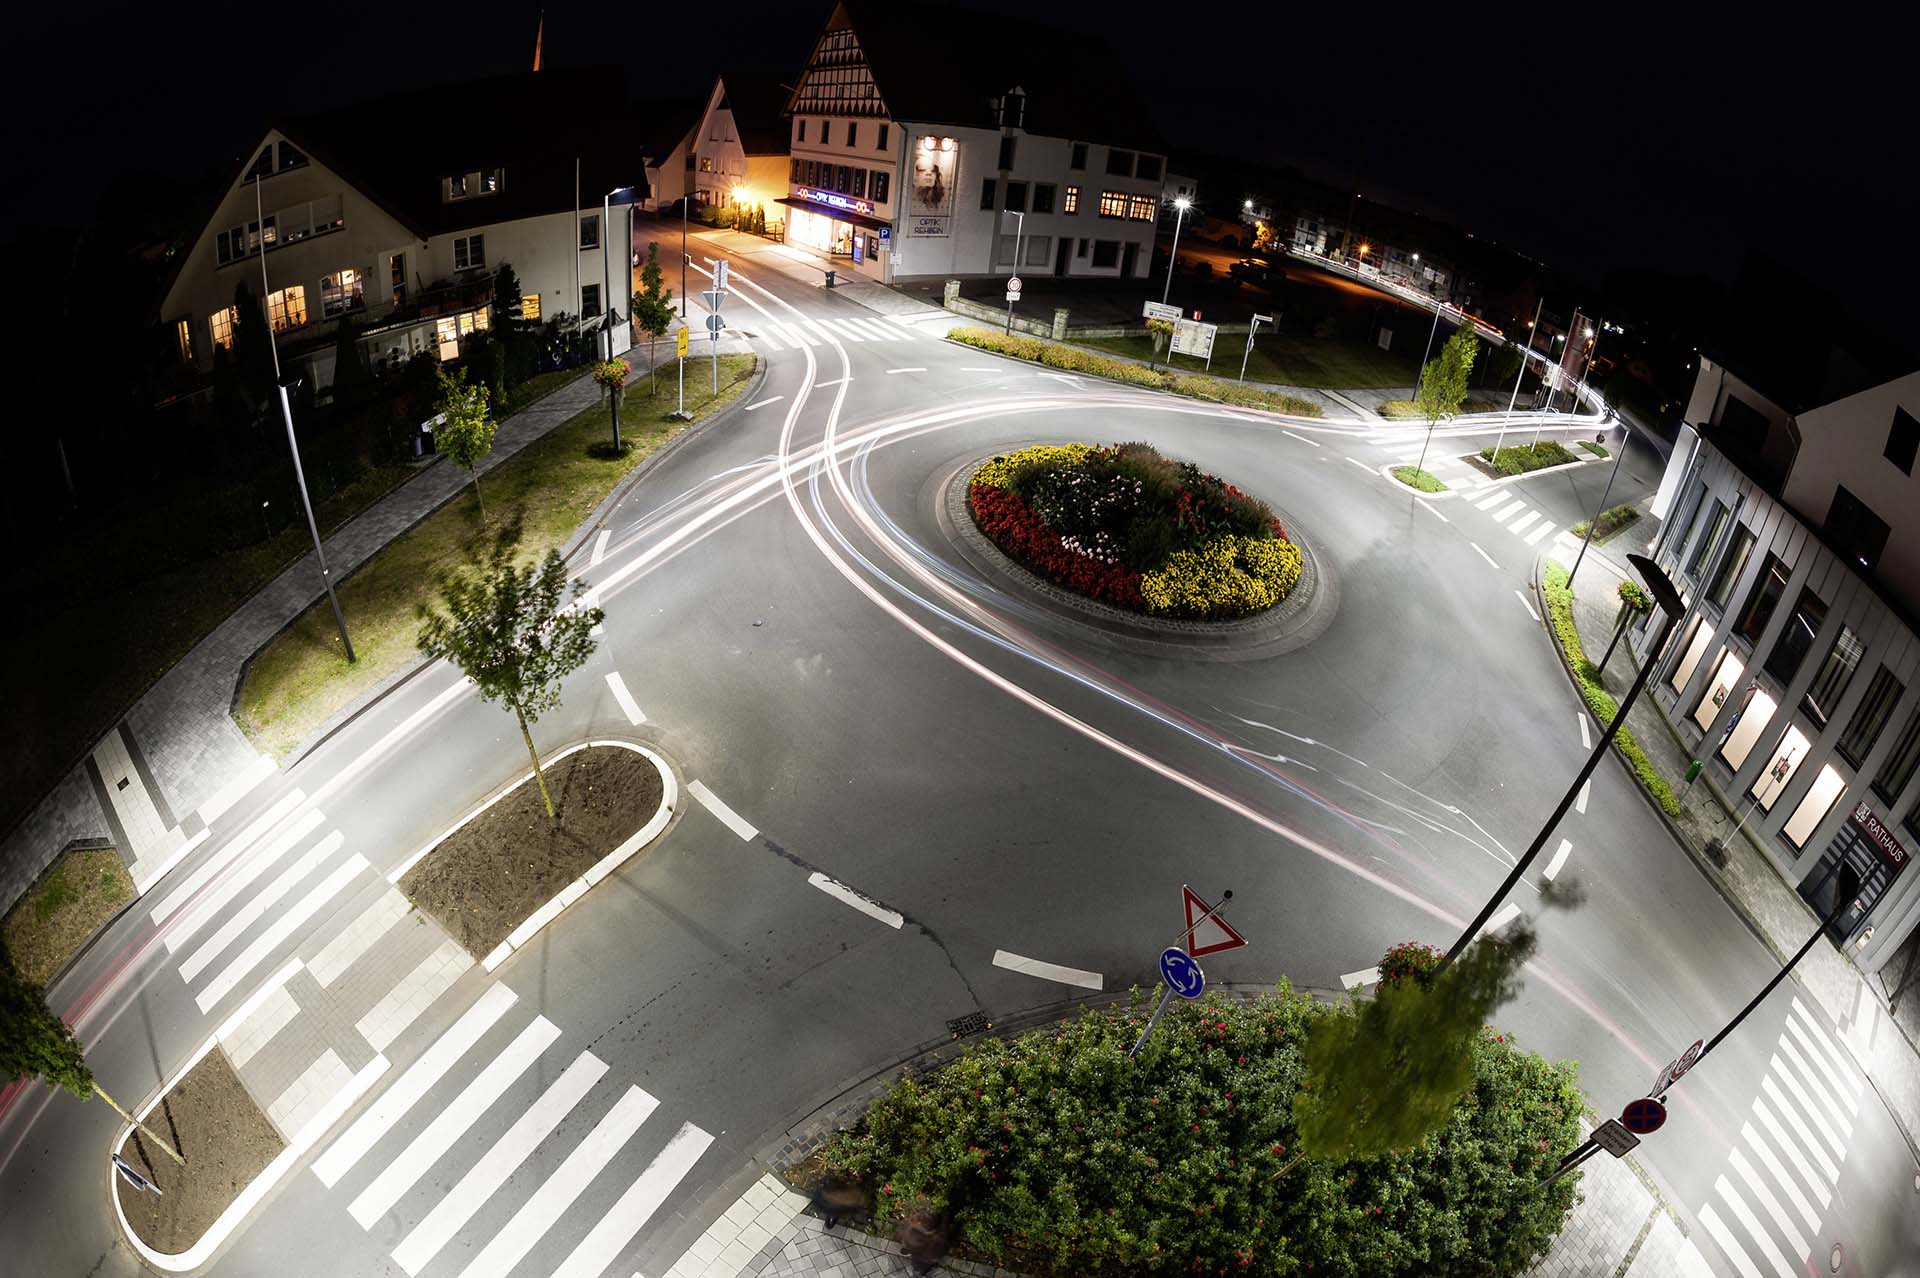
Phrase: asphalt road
{"type": "Point", "coordinates": [783, 604]}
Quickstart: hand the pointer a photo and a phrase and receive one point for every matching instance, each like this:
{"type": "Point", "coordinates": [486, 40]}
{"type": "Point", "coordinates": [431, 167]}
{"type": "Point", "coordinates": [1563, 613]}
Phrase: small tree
{"type": "Point", "coordinates": [352, 379]}
{"type": "Point", "coordinates": [467, 434]}
{"type": "Point", "coordinates": [652, 308]}
{"type": "Point", "coordinates": [515, 629]}
{"type": "Point", "coordinates": [1443, 383]}
{"type": "Point", "coordinates": [506, 300]}
{"type": "Point", "coordinates": [252, 349]}
{"type": "Point", "coordinates": [612, 375]}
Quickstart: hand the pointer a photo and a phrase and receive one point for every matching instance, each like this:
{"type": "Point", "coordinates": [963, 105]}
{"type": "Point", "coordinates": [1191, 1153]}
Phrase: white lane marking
{"type": "Point", "coordinates": [1814, 1085]}
{"type": "Point", "coordinates": [1736, 1254]}
{"type": "Point", "coordinates": [1362, 465]}
{"type": "Point", "coordinates": [1527, 603]}
{"type": "Point", "coordinates": [216, 945]}
{"type": "Point", "coordinates": [1501, 917]}
{"type": "Point", "coordinates": [1435, 513]}
{"type": "Point", "coordinates": [625, 698]}
{"type": "Point", "coordinates": [989, 368]}
{"type": "Point", "coordinates": [1801, 1248]}
{"type": "Point", "coordinates": [599, 546]}
{"type": "Point", "coordinates": [1586, 789]}
{"type": "Point", "coordinates": [1792, 1115]}
{"type": "Point", "coordinates": [797, 336]}
{"type": "Point", "coordinates": [1491, 500]}
{"type": "Point", "coordinates": [1792, 1151]}
{"type": "Point", "coordinates": [188, 925]}
{"type": "Point", "coordinates": [412, 1085]}
{"type": "Point", "coordinates": [1505, 513]}
{"type": "Point", "coordinates": [1560, 855]}
{"type": "Point", "coordinates": [838, 381]}
{"type": "Point", "coordinates": [485, 1177]}
{"type": "Point", "coordinates": [610, 1236]}
{"type": "Point", "coordinates": [1813, 1111]}
{"type": "Point", "coordinates": [906, 330]}
{"type": "Point", "coordinates": [1537, 535]}
{"type": "Point", "coordinates": [283, 927]}
{"type": "Point", "coordinates": [1522, 522]}
{"type": "Point", "coordinates": [1788, 1183]}
{"type": "Point", "coordinates": [1048, 971]}
{"type": "Point", "coordinates": [771, 399]}
{"type": "Point", "coordinates": [426, 1149]}
{"type": "Point", "coordinates": [892, 371]}
{"type": "Point", "coordinates": [766, 335]}
{"type": "Point", "coordinates": [1586, 733]}
{"type": "Point", "coordinates": [241, 845]}
{"type": "Point", "coordinates": [237, 789]}
{"type": "Point", "coordinates": [557, 1192]}
{"type": "Point", "coordinates": [1311, 443]}
{"type": "Point", "coordinates": [728, 817]}
{"type": "Point", "coordinates": [876, 330]}
{"type": "Point", "coordinates": [1840, 1086]}
{"type": "Point", "coordinates": [1483, 554]}
{"type": "Point", "coordinates": [845, 330]}
{"type": "Point", "coordinates": [1826, 1043]}
{"type": "Point", "coordinates": [1365, 976]}
{"type": "Point", "coordinates": [847, 896]}
{"type": "Point", "coordinates": [1738, 1206]}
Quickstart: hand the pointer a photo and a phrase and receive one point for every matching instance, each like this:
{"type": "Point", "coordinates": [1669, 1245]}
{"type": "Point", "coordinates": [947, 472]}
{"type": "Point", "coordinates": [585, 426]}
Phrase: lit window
{"type": "Point", "coordinates": [183, 336]}
{"type": "Point", "coordinates": [1142, 208]}
{"type": "Point", "coordinates": [1071, 204]}
{"type": "Point", "coordinates": [287, 308]}
{"type": "Point", "coordinates": [529, 306]}
{"type": "Point", "coordinates": [220, 324]}
{"type": "Point", "coordinates": [457, 187]}
{"type": "Point", "coordinates": [446, 332]}
{"type": "Point", "coordinates": [590, 228]}
{"type": "Point", "coordinates": [1813, 809]}
{"type": "Point", "coordinates": [1768, 786]}
{"type": "Point", "coordinates": [1113, 204]}
{"type": "Point", "coordinates": [469, 251]}
{"type": "Point", "coordinates": [340, 292]}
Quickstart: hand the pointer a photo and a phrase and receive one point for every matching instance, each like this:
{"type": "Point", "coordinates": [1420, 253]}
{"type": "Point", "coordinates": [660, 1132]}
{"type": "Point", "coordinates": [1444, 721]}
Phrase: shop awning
{"type": "Point", "coordinates": [838, 215]}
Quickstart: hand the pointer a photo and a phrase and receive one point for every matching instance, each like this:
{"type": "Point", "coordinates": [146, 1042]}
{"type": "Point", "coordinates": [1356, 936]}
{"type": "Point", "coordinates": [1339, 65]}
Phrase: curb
{"type": "Point", "coordinates": [1386, 469]}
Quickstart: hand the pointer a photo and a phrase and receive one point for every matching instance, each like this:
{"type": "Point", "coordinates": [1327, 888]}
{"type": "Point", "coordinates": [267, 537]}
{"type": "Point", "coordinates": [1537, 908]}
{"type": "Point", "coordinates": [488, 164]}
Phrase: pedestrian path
{"type": "Point", "coordinates": [1513, 516]}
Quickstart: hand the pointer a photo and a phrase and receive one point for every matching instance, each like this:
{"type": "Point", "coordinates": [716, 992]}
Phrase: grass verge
{"type": "Point", "coordinates": [1074, 359]}
{"type": "Point", "coordinates": [1598, 699]}
{"type": "Point", "coordinates": [1612, 520]}
{"type": "Point", "coordinates": [1598, 450]}
{"type": "Point", "coordinates": [83, 889]}
{"type": "Point", "coordinates": [1522, 458]}
{"type": "Point", "coordinates": [300, 679]}
{"type": "Point", "coordinates": [1414, 477]}
{"type": "Point", "coordinates": [1292, 361]}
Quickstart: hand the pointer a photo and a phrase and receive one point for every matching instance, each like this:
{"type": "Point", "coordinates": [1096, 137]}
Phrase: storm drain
{"type": "Point", "coordinates": [970, 1024]}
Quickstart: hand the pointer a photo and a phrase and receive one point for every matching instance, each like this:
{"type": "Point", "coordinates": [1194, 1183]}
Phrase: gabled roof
{"type": "Point", "coordinates": [758, 101]}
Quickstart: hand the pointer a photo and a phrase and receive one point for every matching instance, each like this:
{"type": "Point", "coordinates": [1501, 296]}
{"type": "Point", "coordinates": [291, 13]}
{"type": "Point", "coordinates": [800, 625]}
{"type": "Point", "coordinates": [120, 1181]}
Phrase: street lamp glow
{"type": "Point", "coordinates": [1182, 203]}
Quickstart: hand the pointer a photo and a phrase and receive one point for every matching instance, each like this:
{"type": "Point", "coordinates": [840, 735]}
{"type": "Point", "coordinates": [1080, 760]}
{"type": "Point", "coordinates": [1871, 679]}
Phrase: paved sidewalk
{"type": "Point", "coordinates": [1768, 904]}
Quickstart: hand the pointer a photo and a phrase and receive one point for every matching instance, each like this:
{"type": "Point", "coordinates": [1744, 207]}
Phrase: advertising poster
{"type": "Point", "coordinates": [930, 200]}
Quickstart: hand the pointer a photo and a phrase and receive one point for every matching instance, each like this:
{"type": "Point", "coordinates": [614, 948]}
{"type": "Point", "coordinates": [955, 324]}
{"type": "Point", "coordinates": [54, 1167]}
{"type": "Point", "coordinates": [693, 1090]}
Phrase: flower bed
{"type": "Point", "coordinates": [1128, 527]}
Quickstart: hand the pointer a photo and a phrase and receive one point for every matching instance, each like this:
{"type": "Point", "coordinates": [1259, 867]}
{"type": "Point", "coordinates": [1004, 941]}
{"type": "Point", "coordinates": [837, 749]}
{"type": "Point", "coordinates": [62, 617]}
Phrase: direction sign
{"type": "Point", "coordinates": [680, 343]}
{"type": "Point", "coordinates": [1644, 1116]}
{"type": "Point", "coordinates": [715, 323]}
{"type": "Point", "coordinates": [720, 275]}
{"type": "Point", "coordinates": [1161, 311]}
{"type": "Point", "coordinates": [1207, 932]}
{"type": "Point", "coordinates": [1191, 337]}
{"type": "Point", "coordinates": [134, 1178]}
{"type": "Point", "coordinates": [1182, 975]}
{"type": "Point", "coordinates": [1614, 1138]}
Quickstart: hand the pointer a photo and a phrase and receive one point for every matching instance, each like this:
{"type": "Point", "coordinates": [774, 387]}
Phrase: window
{"type": "Point", "coordinates": [843, 179]}
{"type": "Point", "coordinates": [262, 164]}
{"type": "Point", "coordinates": [826, 138]}
{"type": "Point", "coordinates": [1081, 251]}
{"type": "Point", "coordinates": [589, 300]}
{"type": "Point", "coordinates": [1724, 677]}
{"type": "Point", "coordinates": [291, 157]}
{"type": "Point", "coordinates": [446, 333]}
{"type": "Point", "coordinates": [1903, 440]}
{"type": "Point", "coordinates": [183, 339]}
{"type": "Point", "coordinates": [1831, 679]}
{"type": "Point", "coordinates": [1079, 158]}
{"type": "Point", "coordinates": [340, 292]}
{"type": "Point", "coordinates": [857, 182]}
{"type": "Point", "coordinates": [1072, 203]}
{"type": "Point", "coordinates": [1869, 717]}
{"type": "Point", "coordinates": [691, 158]}
{"type": "Point", "coordinates": [987, 189]}
{"type": "Point", "coordinates": [1704, 547]}
{"type": "Point", "coordinates": [877, 183]}
{"type": "Point", "coordinates": [480, 319]}
{"type": "Point", "coordinates": [801, 126]}
{"type": "Point", "coordinates": [1809, 613]}
{"type": "Point", "coordinates": [457, 187]}
{"type": "Point", "coordinates": [1113, 204]}
{"type": "Point", "coordinates": [1039, 249]}
{"type": "Point", "coordinates": [529, 306]}
{"type": "Point", "coordinates": [853, 133]}
{"type": "Point", "coordinates": [469, 252]}
{"type": "Point", "coordinates": [1043, 197]}
{"type": "Point", "coordinates": [1821, 796]}
{"type": "Point", "coordinates": [881, 145]}
{"type": "Point", "coordinates": [1898, 769]}
{"type": "Point", "coordinates": [1697, 640]}
{"type": "Point", "coordinates": [1006, 152]}
{"type": "Point", "coordinates": [1106, 253]}
{"type": "Point", "coordinates": [287, 308]}
{"type": "Point", "coordinates": [1755, 712]}
{"type": "Point", "coordinates": [493, 181]}
{"type": "Point", "coordinates": [1763, 599]}
{"type": "Point", "coordinates": [1120, 163]}
{"type": "Point", "coordinates": [220, 326]}
{"type": "Point", "coordinates": [590, 231]}
{"type": "Point", "coordinates": [1855, 530]}
{"type": "Point", "coordinates": [1016, 196]}
{"type": "Point", "coordinates": [244, 241]}
{"type": "Point", "coordinates": [1142, 208]}
{"type": "Point", "coordinates": [706, 164]}
{"type": "Point", "coordinates": [1772, 783]}
{"type": "Point", "coordinates": [1006, 255]}
{"type": "Point", "coordinates": [1731, 566]}
{"type": "Point", "coordinates": [1147, 168]}
{"type": "Point", "coordinates": [794, 170]}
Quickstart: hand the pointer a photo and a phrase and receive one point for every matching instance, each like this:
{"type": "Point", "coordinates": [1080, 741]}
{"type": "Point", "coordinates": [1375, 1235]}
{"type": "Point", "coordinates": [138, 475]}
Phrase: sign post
{"type": "Point", "coordinates": [1205, 933]}
{"type": "Point", "coordinates": [134, 1178]}
{"type": "Point", "coordinates": [1013, 295]}
{"type": "Point", "coordinates": [1181, 976]}
{"type": "Point", "coordinates": [1252, 328]}
{"type": "Point", "coordinates": [715, 323]}
{"type": "Point", "coordinates": [1676, 1069]}
{"type": "Point", "coordinates": [680, 343]}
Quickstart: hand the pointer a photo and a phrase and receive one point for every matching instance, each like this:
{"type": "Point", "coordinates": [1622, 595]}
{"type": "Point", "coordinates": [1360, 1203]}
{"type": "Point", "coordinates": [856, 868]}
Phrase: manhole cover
{"type": "Point", "coordinates": [971, 1023]}
{"type": "Point", "coordinates": [1833, 1259]}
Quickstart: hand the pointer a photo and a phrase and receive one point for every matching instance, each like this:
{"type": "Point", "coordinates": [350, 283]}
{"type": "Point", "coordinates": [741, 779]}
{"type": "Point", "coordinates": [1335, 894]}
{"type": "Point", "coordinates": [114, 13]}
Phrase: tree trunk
{"type": "Point", "coordinates": [539, 777]}
{"type": "Point", "coordinates": [653, 367]}
{"type": "Point", "coordinates": [151, 1135]}
{"type": "Point", "coordinates": [478, 499]}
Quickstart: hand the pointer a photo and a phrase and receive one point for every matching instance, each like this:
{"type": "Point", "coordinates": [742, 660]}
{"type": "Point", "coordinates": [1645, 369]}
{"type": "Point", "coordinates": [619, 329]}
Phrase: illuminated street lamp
{"type": "Point", "coordinates": [1180, 207]}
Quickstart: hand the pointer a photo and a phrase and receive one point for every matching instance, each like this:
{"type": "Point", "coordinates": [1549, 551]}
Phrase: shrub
{"type": "Point", "coordinates": [1598, 450]}
{"type": "Point", "coordinates": [1073, 359]}
{"type": "Point", "coordinates": [1414, 477]}
{"type": "Point", "coordinates": [1002, 471]}
{"type": "Point", "coordinates": [1409, 959]}
{"type": "Point", "coordinates": [1635, 597]}
{"type": "Point", "coordinates": [1612, 520]}
{"type": "Point", "coordinates": [1401, 409]}
{"type": "Point", "coordinates": [1011, 524]}
{"type": "Point", "coordinates": [1518, 459]}
{"type": "Point", "coordinates": [1230, 576]}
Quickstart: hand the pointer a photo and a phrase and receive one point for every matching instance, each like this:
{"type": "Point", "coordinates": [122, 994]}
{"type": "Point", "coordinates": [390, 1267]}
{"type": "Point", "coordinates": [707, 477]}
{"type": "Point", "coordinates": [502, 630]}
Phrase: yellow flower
{"type": "Point", "coordinates": [1230, 576]}
{"type": "Point", "coordinates": [1001, 471]}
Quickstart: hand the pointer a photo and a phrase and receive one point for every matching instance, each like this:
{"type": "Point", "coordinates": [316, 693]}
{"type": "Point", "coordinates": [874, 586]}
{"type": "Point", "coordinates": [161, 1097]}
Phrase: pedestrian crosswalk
{"type": "Point", "coordinates": [794, 333]}
{"type": "Point", "coordinates": [1767, 1205]}
{"type": "Point", "coordinates": [1513, 515]}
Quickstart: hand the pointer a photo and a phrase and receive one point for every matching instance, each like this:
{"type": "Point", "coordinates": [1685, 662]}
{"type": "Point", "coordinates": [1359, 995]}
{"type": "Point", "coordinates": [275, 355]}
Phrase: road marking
{"type": "Point", "coordinates": [418, 990]}
{"type": "Point", "coordinates": [1826, 1044]}
{"type": "Point", "coordinates": [1527, 603]}
{"type": "Point", "coordinates": [1840, 1086]}
{"type": "Point", "coordinates": [1814, 1085]}
{"type": "Point", "coordinates": [1560, 855]}
{"type": "Point", "coordinates": [1048, 971]}
{"type": "Point", "coordinates": [1522, 522]}
{"type": "Point", "coordinates": [241, 845]}
{"type": "Point", "coordinates": [1813, 1111]}
{"type": "Point", "coordinates": [840, 328]}
{"type": "Point", "coordinates": [451, 1123]}
{"type": "Point", "coordinates": [625, 698]}
{"type": "Point", "coordinates": [599, 546]}
{"type": "Point", "coordinates": [1311, 443]}
{"type": "Point", "coordinates": [1431, 511]}
{"type": "Point", "coordinates": [216, 945]}
{"type": "Point", "coordinates": [1505, 513]}
{"type": "Point", "coordinates": [610, 1236]}
{"type": "Point", "coordinates": [838, 381]}
{"type": "Point", "coordinates": [412, 1085]}
{"type": "Point", "coordinates": [485, 1177]}
{"type": "Point", "coordinates": [1365, 976]}
{"type": "Point", "coordinates": [847, 896]}
{"type": "Point", "coordinates": [1788, 1183]}
{"type": "Point", "coordinates": [1734, 1252]}
{"type": "Point", "coordinates": [1738, 1206]}
{"type": "Point", "coordinates": [892, 371]}
{"type": "Point", "coordinates": [1490, 501]}
{"type": "Point", "coordinates": [1501, 917]}
{"type": "Point", "coordinates": [1792, 1151]}
{"type": "Point", "coordinates": [1768, 1201]}
{"type": "Point", "coordinates": [1586, 733]}
{"type": "Point", "coordinates": [188, 925]}
{"type": "Point", "coordinates": [237, 789]}
{"type": "Point", "coordinates": [1792, 1116]}
{"type": "Point", "coordinates": [537, 1215]}
{"type": "Point", "coordinates": [1586, 788]}
{"type": "Point", "coordinates": [1362, 465]}
{"type": "Point", "coordinates": [1535, 537]}
{"type": "Point", "coordinates": [728, 817]}
{"type": "Point", "coordinates": [1483, 554]}
{"type": "Point", "coordinates": [771, 399]}
{"type": "Point", "coordinates": [283, 927]}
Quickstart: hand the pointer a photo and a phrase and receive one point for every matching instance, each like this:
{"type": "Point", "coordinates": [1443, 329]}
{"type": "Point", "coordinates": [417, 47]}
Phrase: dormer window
{"type": "Point", "coordinates": [464, 186]}
{"type": "Point", "coordinates": [291, 156]}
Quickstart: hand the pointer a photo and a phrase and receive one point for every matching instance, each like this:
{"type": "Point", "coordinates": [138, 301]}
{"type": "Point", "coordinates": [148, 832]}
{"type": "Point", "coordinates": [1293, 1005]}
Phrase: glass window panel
{"type": "Point", "coordinates": [1869, 717]}
{"type": "Point", "coordinates": [1898, 769]}
{"type": "Point", "coordinates": [1813, 809]}
{"type": "Point", "coordinates": [1703, 547]}
{"type": "Point", "coordinates": [1763, 599]}
{"type": "Point", "coordinates": [1731, 566]}
{"type": "Point", "coordinates": [1718, 689]}
{"type": "Point", "coordinates": [1831, 679]}
{"type": "Point", "coordinates": [1796, 638]}
{"type": "Point", "coordinates": [1770, 784]}
{"type": "Point", "coordinates": [1754, 717]}
{"type": "Point", "coordinates": [1700, 637]}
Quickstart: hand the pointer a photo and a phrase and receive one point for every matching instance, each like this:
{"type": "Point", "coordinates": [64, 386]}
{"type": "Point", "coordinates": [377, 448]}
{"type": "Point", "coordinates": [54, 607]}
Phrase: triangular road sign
{"type": "Point", "coordinates": [1206, 935]}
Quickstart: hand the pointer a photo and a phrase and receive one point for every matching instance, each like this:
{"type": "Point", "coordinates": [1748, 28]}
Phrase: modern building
{"type": "Point", "coordinates": [733, 151]}
{"type": "Point", "coordinates": [1792, 527]}
{"type": "Point", "coordinates": [964, 147]}
{"type": "Point", "coordinates": [402, 239]}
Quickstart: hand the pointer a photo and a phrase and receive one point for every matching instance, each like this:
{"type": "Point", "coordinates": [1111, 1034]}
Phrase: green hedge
{"type": "Point", "coordinates": [1401, 410]}
{"type": "Point", "coordinates": [1612, 520]}
{"type": "Point", "coordinates": [1056, 1154]}
{"type": "Point", "coordinates": [1598, 699]}
{"type": "Point", "coordinates": [1518, 459]}
{"type": "Point", "coordinates": [1414, 477]}
{"type": "Point", "coordinates": [1073, 359]}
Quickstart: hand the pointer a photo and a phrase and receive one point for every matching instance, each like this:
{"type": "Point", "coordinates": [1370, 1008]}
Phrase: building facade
{"type": "Point", "coordinates": [733, 153]}
{"type": "Point", "coordinates": [914, 159]}
{"type": "Point", "coordinates": [1795, 674]}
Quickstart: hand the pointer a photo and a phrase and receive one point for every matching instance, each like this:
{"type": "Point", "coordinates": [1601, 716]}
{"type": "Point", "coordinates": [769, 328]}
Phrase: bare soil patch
{"type": "Point", "coordinates": [226, 1141]}
{"type": "Point", "coordinates": [488, 876]}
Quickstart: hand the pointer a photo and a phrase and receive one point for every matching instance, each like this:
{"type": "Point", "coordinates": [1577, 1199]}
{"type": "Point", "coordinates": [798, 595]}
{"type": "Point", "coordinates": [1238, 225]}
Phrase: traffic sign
{"type": "Point", "coordinates": [680, 343]}
{"type": "Point", "coordinates": [720, 275]}
{"type": "Point", "coordinates": [1207, 932]}
{"type": "Point", "coordinates": [713, 298]}
{"type": "Point", "coordinates": [715, 323]}
{"type": "Point", "coordinates": [886, 234]}
{"type": "Point", "coordinates": [1161, 311]}
{"type": "Point", "coordinates": [1182, 975]}
{"type": "Point", "coordinates": [134, 1178]}
{"type": "Point", "coordinates": [1614, 1138]}
{"type": "Point", "coordinates": [1676, 1069]}
{"type": "Point", "coordinates": [1643, 1117]}
{"type": "Point", "coordinates": [1013, 284]}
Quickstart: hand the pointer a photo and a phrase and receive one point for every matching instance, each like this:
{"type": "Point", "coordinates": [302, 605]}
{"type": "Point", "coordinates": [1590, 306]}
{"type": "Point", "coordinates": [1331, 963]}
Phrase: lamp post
{"type": "Point", "coordinates": [1533, 326]}
{"type": "Point", "coordinates": [1668, 600]}
{"type": "Point", "coordinates": [1542, 422]}
{"type": "Point", "coordinates": [1019, 229]}
{"type": "Point", "coordinates": [1180, 207]}
{"type": "Point", "coordinates": [1421, 381]}
{"type": "Point", "coordinates": [606, 302]}
{"type": "Point", "coordinates": [1620, 450]}
{"type": "Point", "coordinates": [683, 251]}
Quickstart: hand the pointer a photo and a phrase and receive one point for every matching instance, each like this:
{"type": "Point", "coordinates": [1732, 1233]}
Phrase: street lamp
{"type": "Point", "coordinates": [1019, 228]}
{"type": "Point", "coordinates": [1180, 207]}
{"type": "Point", "coordinates": [606, 300]}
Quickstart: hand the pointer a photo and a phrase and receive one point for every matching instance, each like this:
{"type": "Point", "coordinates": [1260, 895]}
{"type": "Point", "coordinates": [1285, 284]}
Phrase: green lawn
{"type": "Point", "coordinates": [1284, 360]}
{"type": "Point", "coordinates": [1414, 477]}
{"type": "Point", "coordinates": [300, 679]}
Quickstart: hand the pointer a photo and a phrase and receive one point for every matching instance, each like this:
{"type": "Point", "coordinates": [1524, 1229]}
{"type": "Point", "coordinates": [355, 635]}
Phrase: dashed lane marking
{"type": "Point", "coordinates": [892, 371]}
{"type": "Point", "coordinates": [847, 896]}
{"type": "Point", "coordinates": [625, 698]}
{"type": "Point", "coordinates": [728, 817]}
{"type": "Point", "coordinates": [1560, 855]}
{"type": "Point", "coordinates": [1526, 603]}
{"type": "Point", "coordinates": [599, 546]}
{"type": "Point", "coordinates": [1047, 971]}
{"type": "Point", "coordinates": [1431, 511]}
{"type": "Point", "coordinates": [1586, 733]}
{"type": "Point", "coordinates": [1586, 789]}
{"type": "Point", "coordinates": [1362, 465]}
{"type": "Point", "coordinates": [1365, 976]}
{"type": "Point", "coordinates": [1302, 438]}
{"type": "Point", "coordinates": [771, 399]}
{"type": "Point", "coordinates": [1484, 555]}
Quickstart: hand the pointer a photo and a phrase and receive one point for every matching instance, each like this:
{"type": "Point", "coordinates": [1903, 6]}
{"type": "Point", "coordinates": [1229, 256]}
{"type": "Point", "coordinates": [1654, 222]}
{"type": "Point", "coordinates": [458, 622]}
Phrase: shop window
{"type": "Point", "coordinates": [1821, 796]}
{"type": "Point", "coordinates": [1831, 679]}
{"type": "Point", "coordinates": [1869, 717]}
{"type": "Point", "coordinates": [1796, 638]}
{"type": "Point", "coordinates": [1696, 647]}
{"type": "Point", "coordinates": [1755, 713]}
{"type": "Point", "coordinates": [1718, 688]}
{"type": "Point", "coordinates": [1763, 599]}
{"type": "Point", "coordinates": [1772, 783]}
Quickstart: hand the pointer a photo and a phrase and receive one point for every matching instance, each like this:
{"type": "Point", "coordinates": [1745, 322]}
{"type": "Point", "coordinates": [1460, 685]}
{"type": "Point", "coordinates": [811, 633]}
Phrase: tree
{"type": "Point", "coordinates": [506, 300]}
{"type": "Point", "coordinates": [652, 307]}
{"type": "Point", "coordinates": [1443, 383]}
{"type": "Point", "coordinates": [1501, 366]}
{"type": "Point", "coordinates": [352, 379]}
{"type": "Point", "coordinates": [252, 348]}
{"type": "Point", "coordinates": [1387, 1074]}
{"type": "Point", "coordinates": [467, 434]}
{"type": "Point", "coordinates": [515, 629]}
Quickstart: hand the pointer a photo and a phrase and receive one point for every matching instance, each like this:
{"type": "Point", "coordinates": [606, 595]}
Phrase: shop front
{"type": "Point", "coordinates": [838, 227]}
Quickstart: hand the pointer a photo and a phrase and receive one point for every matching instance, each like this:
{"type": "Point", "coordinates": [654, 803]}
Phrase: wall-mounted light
{"type": "Point", "coordinates": [946, 144]}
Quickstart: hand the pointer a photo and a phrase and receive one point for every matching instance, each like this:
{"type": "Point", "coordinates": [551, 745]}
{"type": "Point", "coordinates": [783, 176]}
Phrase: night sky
{"type": "Point", "coordinates": [1594, 139]}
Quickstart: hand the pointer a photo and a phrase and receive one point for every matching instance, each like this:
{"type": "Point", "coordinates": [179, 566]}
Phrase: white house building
{"type": "Point", "coordinates": [1794, 533]}
{"type": "Point", "coordinates": [403, 239]}
{"type": "Point", "coordinates": [960, 146]}
{"type": "Point", "coordinates": [733, 151]}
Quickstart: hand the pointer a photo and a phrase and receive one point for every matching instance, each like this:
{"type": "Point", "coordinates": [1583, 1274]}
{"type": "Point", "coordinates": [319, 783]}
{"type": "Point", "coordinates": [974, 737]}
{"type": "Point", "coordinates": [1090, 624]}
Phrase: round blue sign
{"type": "Point", "coordinates": [1644, 1116]}
{"type": "Point", "coordinates": [1182, 975]}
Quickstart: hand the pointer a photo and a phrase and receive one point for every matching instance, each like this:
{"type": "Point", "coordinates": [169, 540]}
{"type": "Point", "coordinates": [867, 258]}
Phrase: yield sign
{"type": "Point", "coordinates": [1207, 932]}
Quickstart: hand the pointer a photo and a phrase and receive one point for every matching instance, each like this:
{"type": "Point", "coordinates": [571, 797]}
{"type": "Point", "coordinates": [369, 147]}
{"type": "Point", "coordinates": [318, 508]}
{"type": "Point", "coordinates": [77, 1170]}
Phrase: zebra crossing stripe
{"type": "Point", "coordinates": [872, 330]}
{"type": "Point", "coordinates": [908, 331]}
{"type": "Point", "coordinates": [1520, 523]}
{"type": "Point", "coordinates": [1807, 1213]}
{"type": "Point", "coordinates": [1492, 499]}
{"type": "Point", "coordinates": [1811, 1110]}
{"type": "Point", "coordinates": [188, 925]}
{"type": "Point", "coordinates": [1792, 1151]}
{"type": "Point", "coordinates": [283, 927]}
{"type": "Point", "coordinates": [241, 845]}
{"type": "Point", "coordinates": [1840, 1085]}
{"type": "Point", "coordinates": [1814, 1086]}
{"type": "Point", "coordinates": [1826, 1043]}
{"type": "Point", "coordinates": [1811, 1145]}
{"type": "Point", "coordinates": [610, 1236]}
{"type": "Point", "coordinates": [1736, 1254]}
{"type": "Point", "coordinates": [216, 945]}
{"type": "Point", "coordinates": [795, 336]}
{"type": "Point", "coordinates": [1539, 534]}
{"type": "Point", "coordinates": [1802, 1249]}
{"type": "Point", "coordinates": [1744, 1214]}
{"type": "Point", "coordinates": [845, 330]}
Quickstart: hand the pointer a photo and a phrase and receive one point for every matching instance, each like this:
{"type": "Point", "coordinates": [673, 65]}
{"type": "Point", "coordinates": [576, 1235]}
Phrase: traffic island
{"type": "Point", "coordinates": [506, 869]}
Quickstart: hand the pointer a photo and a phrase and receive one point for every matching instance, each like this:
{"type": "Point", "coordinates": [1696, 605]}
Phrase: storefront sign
{"type": "Point", "coordinates": [1885, 846]}
{"type": "Point", "coordinates": [834, 200]}
{"type": "Point", "coordinates": [930, 194]}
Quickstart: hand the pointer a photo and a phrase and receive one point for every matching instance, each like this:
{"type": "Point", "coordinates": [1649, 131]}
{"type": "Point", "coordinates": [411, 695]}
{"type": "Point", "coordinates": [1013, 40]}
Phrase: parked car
{"type": "Point", "coordinates": [1254, 270]}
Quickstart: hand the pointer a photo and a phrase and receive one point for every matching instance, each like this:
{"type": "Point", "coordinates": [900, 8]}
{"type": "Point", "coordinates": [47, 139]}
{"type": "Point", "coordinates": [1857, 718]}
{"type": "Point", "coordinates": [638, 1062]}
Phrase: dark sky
{"type": "Point", "coordinates": [1592, 138]}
